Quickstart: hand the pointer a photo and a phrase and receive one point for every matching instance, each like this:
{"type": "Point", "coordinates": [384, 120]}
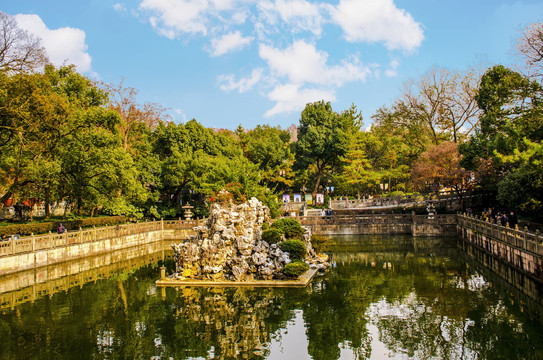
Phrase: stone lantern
{"type": "Point", "coordinates": [188, 213]}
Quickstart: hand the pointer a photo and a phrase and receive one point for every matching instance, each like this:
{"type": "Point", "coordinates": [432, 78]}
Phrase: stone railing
{"type": "Point", "coordinates": [520, 248]}
{"type": "Point", "coordinates": [376, 219]}
{"type": "Point", "coordinates": [82, 236]}
{"type": "Point", "coordinates": [417, 225]}
{"type": "Point", "coordinates": [396, 201]}
{"type": "Point", "coordinates": [523, 239]}
{"type": "Point", "coordinates": [376, 202]}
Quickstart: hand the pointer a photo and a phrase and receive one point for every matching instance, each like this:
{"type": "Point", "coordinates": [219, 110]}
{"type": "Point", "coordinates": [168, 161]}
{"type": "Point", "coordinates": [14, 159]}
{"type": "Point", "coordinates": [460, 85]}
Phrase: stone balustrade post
{"type": "Point", "coordinates": [33, 242]}
{"type": "Point", "coordinates": [80, 235]}
{"type": "Point", "coordinates": [525, 232]}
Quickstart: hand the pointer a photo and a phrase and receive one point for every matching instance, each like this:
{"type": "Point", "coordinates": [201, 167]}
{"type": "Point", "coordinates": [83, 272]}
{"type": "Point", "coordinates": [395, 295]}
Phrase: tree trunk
{"type": "Point", "coordinates": [47, 201]}
{"type": "Point", "coordinates": [319, 175]}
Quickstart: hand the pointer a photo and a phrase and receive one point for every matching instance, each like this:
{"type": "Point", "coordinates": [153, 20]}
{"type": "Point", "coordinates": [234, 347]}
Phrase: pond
{"type": "Point", "coordinates": [386, 297]}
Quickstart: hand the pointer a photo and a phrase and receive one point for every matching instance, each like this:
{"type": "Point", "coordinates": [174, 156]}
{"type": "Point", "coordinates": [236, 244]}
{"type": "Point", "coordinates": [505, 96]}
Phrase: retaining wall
{"type": "Point", "coordinates": [48, 249]}
{"type": "Point", "coordinates": [519, 248]}
{"type": "Point", "coordinates": [368, 224]}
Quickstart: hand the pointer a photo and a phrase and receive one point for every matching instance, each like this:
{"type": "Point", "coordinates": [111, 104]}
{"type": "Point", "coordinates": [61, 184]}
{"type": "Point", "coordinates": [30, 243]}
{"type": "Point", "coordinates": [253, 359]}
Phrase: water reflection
{"type": "Point", "coordinates": [386, 297]}
{"type": "Point", "coordinates": [232, 323]}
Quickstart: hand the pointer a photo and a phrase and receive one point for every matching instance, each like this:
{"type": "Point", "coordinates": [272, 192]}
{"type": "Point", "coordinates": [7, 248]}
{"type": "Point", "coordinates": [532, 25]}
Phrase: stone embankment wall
{"type": "Point", "coordinates": [521, 249]}
{"type": "Point", "coordinates": [416, 225]}
{"type": "Point", "coordinates": [32, 284]}
{"type": "Point", "coordinates": [42, 250]}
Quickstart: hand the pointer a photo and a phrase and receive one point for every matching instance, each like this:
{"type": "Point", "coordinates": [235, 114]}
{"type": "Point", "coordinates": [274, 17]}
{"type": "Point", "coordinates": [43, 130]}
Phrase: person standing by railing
{"type": "Point", "coordinates": [512, 220]}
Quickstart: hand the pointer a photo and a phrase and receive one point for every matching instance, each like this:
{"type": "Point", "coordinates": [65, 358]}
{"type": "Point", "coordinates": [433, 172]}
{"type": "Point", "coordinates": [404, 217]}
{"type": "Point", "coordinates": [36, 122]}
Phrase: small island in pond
{"type": "Point", "coordinates": [237, 246]}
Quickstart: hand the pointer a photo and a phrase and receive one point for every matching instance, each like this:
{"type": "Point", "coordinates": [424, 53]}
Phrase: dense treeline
{"type": "Point", "coordinates": [66, 138]}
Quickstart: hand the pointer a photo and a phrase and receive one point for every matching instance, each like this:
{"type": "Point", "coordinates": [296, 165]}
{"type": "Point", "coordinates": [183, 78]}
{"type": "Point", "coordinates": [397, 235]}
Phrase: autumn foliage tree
{"type": "Point", "coordinates": [438, 168]}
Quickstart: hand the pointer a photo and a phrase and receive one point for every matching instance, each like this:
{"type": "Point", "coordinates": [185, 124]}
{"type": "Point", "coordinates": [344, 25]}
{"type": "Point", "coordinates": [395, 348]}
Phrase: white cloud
{"type": "Point", "coordinates": [378, 21]}
{"type": "Point", "coordinates": [180, 115]}
{"type": "Point", "coordinates": [292, 98]}
{"type": "Point", "coordinates": [227, 82]}
{"type": "Point", "coordinates": [303, 63]}
{"type": "Point", "coordinates": [64, 45]}
{"type": "Point", "coordinates": [174, 18]}
{"type": "Point", "coordinates": [171, 18]}
{"type": "Point", "coordinates": [228, 43]}
{"type": "Point", "coordinates": [221, 5]}
{"type": "Point", "coordinates": [119, 7]}
{"type": "Point", "coordinates": [392, 68]}
{"type": "Point", "coordinates": [300, 14]}
{"type": "Point", "coordinates": [239, 17]}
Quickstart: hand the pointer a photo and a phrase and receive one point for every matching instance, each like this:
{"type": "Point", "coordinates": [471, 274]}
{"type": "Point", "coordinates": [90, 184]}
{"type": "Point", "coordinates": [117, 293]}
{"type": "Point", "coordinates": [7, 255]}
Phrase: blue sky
{"type": "Point", "coordinates": [231, 62]}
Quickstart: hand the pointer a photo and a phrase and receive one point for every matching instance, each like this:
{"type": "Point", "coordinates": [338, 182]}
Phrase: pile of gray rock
{"type": "Point", "coordinates": [230, 247]}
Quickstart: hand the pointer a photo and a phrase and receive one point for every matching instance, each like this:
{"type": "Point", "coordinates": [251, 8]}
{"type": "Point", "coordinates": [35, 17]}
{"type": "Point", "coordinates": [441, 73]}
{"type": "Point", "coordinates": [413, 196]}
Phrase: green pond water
{"type": "Point", "coordinates": [384, 298]}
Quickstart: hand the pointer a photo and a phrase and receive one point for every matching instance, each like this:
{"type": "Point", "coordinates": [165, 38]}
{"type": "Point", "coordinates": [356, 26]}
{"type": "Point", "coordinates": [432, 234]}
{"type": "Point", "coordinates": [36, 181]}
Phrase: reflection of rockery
{"type": "Point", "coordinates": [230, 247]}
{"type": "Point", "coordinates": [235, 321]}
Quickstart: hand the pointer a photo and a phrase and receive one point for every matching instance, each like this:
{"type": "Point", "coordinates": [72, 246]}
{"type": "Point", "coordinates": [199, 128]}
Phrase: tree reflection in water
{"type": "Point", "coordinates": [234, 322]}
{"type": "Point", "coordinates": [390, 299]}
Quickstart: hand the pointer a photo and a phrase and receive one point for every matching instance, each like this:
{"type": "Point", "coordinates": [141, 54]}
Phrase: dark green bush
{"type": "Point", "coordinates": [291, 228]}
{"type": "Point", "coordinates": [44, 227]}
{"type": "Point", "coordinates": [265, 226]}
{"type": "Point", "coordinates": [296, 248]}
{"type": "Point", "coordinates": [271, 236]}
{"type": "Point", "coordinates": [295, 269]}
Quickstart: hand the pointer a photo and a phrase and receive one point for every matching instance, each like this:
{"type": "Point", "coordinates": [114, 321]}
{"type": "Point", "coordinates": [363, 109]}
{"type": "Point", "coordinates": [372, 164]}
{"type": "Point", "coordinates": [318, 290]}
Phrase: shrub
{"type": "Point", "coordinates": [295, 269]}
{"type": "Point", "coordinates": [271, 236]}
{"type": "Point", "coordinates": [296, 248]}
{"type": "Point", "coordinates": [40, 228]}
{"type": "Point", "coordinates": [291, 228]}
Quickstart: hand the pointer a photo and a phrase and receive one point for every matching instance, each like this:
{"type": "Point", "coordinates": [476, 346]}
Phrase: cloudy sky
{"type": "Point", "coordinates": [249, 62]}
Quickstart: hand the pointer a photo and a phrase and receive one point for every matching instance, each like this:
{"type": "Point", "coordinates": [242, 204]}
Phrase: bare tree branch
{"type": "Point", "coordinates": [20, 51]}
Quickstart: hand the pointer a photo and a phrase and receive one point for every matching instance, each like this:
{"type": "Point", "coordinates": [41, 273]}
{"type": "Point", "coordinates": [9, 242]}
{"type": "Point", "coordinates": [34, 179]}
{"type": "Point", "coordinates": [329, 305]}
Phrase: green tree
{"type": "Point", "coordinates": [510, 129]}
{"type": "Point", "coordinates": [269, 148]}
{"type": "Point", "coordinates": [324, 137]}
{"type": "Point", "coordinates": [43, 115]}
{"type": "Point", "coordinates": [357, 171]}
